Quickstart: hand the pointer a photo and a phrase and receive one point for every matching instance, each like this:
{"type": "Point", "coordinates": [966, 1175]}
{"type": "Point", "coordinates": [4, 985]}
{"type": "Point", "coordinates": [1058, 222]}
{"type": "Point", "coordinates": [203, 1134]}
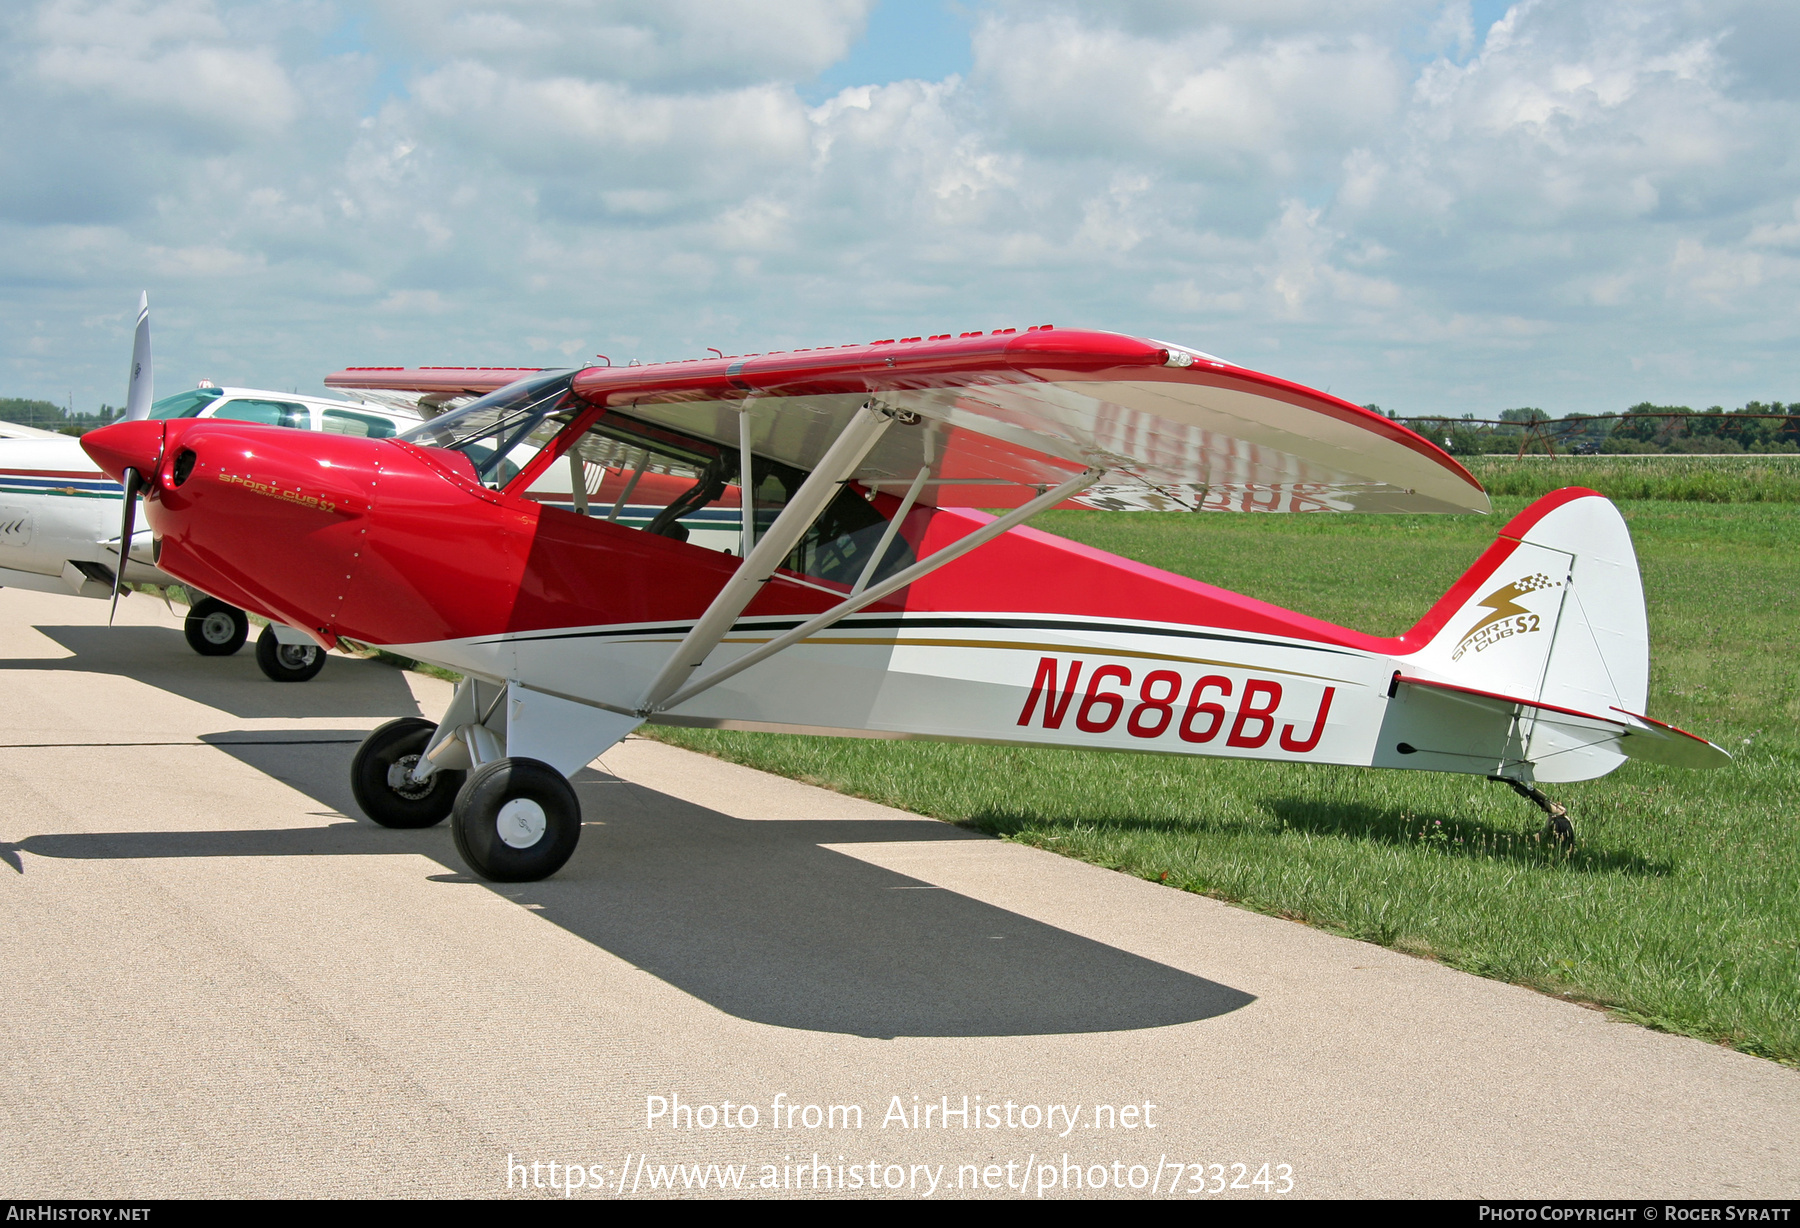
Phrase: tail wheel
{"type": "Point", "coordinates": [214, 629]}
{"type": "Point", "coordinates": [516, 821]}
{"type": "Point", "coordinates": [287, 662]}
{"type": "Point", "coordinates": [379, 777]}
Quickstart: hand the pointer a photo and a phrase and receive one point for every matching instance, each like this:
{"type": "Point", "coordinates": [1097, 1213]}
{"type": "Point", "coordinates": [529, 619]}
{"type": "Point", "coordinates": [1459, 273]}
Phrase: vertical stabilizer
{"type": "Point", "coordinates": [1552, 614]}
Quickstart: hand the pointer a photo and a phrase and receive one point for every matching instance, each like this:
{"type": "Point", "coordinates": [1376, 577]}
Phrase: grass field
{"type": "Point", "coordinates": [1686, 479]}
{"type": "Point", "coordinates": [1680, 906]}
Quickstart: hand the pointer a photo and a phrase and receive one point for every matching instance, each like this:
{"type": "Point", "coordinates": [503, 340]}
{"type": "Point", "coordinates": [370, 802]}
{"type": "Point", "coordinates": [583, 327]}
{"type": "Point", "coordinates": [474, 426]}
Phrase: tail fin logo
{"type": "Point", "coordinates": [1508, 618]}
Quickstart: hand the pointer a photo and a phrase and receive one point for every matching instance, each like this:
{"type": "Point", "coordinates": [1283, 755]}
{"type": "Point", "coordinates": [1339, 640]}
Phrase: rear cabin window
{"type": "Point", "coordinates": [349, 422]}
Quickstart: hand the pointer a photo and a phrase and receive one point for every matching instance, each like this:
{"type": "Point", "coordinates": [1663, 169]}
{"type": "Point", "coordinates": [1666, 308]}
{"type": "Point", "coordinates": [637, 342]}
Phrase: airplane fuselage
{"type": "Point", "coordinates": [1032, 640]}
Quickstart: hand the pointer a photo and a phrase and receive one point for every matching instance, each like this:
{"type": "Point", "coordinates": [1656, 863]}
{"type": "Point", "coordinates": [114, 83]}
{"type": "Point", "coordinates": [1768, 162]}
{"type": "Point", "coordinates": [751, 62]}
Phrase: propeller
{"type": "Point", "coordinates": [134, 482]}
{"type": "Point", "coordinates": [141, 392]}
{"type": "Point", "coordinates": [138, 397]}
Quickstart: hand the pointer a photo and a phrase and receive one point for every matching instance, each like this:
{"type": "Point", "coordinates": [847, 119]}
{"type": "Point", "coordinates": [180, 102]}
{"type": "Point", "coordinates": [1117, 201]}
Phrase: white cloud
{"type": "Point", "coordinates": [176, 60]}
{"type": "Point", "coordinates": [683, 44]}
{"type": "Point", "coordinates": [1380, 197]}
{"type": "Point", "coordinates": [1208, 101]}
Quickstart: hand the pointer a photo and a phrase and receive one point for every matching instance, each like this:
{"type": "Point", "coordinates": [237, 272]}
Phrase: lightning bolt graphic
{"type": "Point", "coordinates": [1504, 601]}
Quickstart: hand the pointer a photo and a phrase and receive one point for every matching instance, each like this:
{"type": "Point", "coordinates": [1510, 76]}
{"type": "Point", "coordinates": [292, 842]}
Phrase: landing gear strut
{"type": "Point", "coordinates": [515, 817]}
{"type": "Point", "coordinates": [1558, 827]}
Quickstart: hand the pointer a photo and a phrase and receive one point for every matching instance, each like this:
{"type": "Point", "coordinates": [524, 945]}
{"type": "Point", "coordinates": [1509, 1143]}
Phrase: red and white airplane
{"type": "Point", "coordinates": [859, 592]}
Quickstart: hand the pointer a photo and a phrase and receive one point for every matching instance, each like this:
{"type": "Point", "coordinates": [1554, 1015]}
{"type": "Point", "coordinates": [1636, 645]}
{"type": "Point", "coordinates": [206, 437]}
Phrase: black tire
{"type": "Point", "coordinates": [488, 828]}
{"type": "Point", "coordinates": [287, 662]}
{"type": "Point", "coordinates": [399, 743]}
{"type": "Point", "coordinates": [214, 629]}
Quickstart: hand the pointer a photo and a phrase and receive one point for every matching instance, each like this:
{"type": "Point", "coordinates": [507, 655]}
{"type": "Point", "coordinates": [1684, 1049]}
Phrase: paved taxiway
{"type": "Point", "coordinates": [221, 981]}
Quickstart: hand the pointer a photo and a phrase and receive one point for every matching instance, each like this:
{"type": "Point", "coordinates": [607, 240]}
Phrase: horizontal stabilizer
{"type": "Point", "coordinates": [1632, 735]}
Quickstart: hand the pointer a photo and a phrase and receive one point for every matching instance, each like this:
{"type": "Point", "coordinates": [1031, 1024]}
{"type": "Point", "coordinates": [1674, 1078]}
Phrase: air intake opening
{"type": "Point", "coordinates": [184, 465]}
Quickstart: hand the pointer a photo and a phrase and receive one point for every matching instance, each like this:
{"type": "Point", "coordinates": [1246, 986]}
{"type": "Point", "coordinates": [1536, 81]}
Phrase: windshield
{"type": "Point", "coordinates": [502, 431]}
{"type": "Point", "coordinates": [185, 404]}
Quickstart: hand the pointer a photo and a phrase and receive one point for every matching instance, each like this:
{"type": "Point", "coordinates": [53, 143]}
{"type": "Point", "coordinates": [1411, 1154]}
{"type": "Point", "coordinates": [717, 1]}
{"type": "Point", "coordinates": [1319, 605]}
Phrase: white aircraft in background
{"type": "Point", "coordinates": [59, 514]}
{"type": "Point", "coordinates": [18, 430]}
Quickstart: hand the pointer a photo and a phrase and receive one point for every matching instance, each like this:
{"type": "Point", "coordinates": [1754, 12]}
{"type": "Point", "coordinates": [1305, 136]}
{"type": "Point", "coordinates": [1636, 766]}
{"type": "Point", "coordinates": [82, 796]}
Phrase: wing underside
{"type": "Point", "coordinates": [995, 420]}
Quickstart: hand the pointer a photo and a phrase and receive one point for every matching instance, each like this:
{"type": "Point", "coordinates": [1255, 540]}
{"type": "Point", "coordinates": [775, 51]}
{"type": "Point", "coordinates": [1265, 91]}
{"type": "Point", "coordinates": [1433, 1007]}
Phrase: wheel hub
{"type": "Point", "coordinates": [295, 656]}
{"type": "Point", "coordinates": [521, 823]}
{"type": "Point", "coordinates": [217, 628]}
{"type": "Point", "coordinates": [400, 779]}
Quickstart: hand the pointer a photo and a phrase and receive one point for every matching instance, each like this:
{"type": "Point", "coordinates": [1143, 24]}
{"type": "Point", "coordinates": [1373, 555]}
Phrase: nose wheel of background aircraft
{"type": "Point", "coordinates": [516, 821]}
{"type": "Point", "coordinates": [379, 777]}
{"type": "Point", "coordinates": [287, 662]}
{"type": "Point", "coordinates": [214, 629]}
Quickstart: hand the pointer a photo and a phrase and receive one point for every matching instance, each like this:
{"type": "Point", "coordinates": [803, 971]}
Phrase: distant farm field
{"type": "Point", "coordinates": [1680, 906]}
{"type": "Point", "coordinates": [1686, 479]}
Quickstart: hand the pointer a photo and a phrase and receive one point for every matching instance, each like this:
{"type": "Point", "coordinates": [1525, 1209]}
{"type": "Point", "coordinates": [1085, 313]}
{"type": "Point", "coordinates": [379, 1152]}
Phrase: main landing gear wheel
{"type": "Point", "coordinates": [516, 821]}
{"type": "Point", "coordinates": [214, 629]}
{"type": "Point", "coordinates": [378, 777]}
{"type": "Point", "coordinates": [287, 662]}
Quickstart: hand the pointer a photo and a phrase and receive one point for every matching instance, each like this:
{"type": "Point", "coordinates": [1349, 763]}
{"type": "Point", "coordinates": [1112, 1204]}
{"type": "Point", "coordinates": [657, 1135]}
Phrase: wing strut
{"type": "Point", "coordinates": [619, 504]}
{"type": "Point", "coordinates": [887, 538]}
{"type": "Point", "coordinates": [868, 596]}
{"type": "Point", "coordinates": [747, 483]}
{"type": "Point", "coordinates": [820, 487]}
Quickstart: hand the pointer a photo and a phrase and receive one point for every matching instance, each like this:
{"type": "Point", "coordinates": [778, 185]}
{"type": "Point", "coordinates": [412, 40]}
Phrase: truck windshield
{"type": "Point", "coordinates": [185, 404]}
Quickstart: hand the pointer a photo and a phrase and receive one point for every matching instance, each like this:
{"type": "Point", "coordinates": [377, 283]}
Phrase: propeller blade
{"type": "Point", "coordinates": [142, 390]}
{"type": "Point", "coordinates": [134, 482]}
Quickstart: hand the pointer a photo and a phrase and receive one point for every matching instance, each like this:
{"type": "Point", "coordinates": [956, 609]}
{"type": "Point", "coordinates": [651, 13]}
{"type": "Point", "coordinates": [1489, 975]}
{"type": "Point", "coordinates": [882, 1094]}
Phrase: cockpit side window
{"type": "Point", "coordinates": [689, 488]}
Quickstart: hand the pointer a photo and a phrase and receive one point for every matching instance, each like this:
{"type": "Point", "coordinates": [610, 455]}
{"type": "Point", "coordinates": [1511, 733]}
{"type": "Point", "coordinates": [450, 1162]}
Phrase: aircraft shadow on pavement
{"type": "Point", "coordinates": [752, 917]}
{"type": "Point", "coordinates": [160, 657]}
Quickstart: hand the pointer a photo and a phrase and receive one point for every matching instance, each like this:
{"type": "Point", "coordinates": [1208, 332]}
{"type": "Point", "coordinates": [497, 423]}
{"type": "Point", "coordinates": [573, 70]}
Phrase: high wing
{"type": "Point", "coordinates": [426, 390]}
{"type": "Point", "coordinates": [1009, 415]}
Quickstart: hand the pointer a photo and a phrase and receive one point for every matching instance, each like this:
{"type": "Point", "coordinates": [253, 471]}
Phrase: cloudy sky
{"type": "Point", "coordinates": [1439, 207]}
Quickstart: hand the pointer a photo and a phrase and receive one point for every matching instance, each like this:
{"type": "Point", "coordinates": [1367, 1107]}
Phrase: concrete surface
{"type": "Point", "coordinates": [221, 981]}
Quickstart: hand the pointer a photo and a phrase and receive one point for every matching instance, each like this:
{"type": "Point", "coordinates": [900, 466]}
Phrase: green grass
{"type": "Point", "coordinates": [1689, 479]}
{"type": "Point", "coordinates": [1679, 907]}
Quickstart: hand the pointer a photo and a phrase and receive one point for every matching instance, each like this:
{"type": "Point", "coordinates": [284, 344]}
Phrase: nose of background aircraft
{"type": "Point", "coordinates": [126, 445]}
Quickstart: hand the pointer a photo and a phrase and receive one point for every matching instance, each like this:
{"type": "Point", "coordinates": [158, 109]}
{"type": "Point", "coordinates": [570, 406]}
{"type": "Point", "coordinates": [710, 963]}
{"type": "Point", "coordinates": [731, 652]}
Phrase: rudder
{"type": "Point", "coordinates": [1552, 613]}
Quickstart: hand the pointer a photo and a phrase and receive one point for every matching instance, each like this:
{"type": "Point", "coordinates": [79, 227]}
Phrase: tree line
{"type": "Point", "coordinates": [49, 416]}
{"type": "Point", "coordinates": [1756, 427]}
